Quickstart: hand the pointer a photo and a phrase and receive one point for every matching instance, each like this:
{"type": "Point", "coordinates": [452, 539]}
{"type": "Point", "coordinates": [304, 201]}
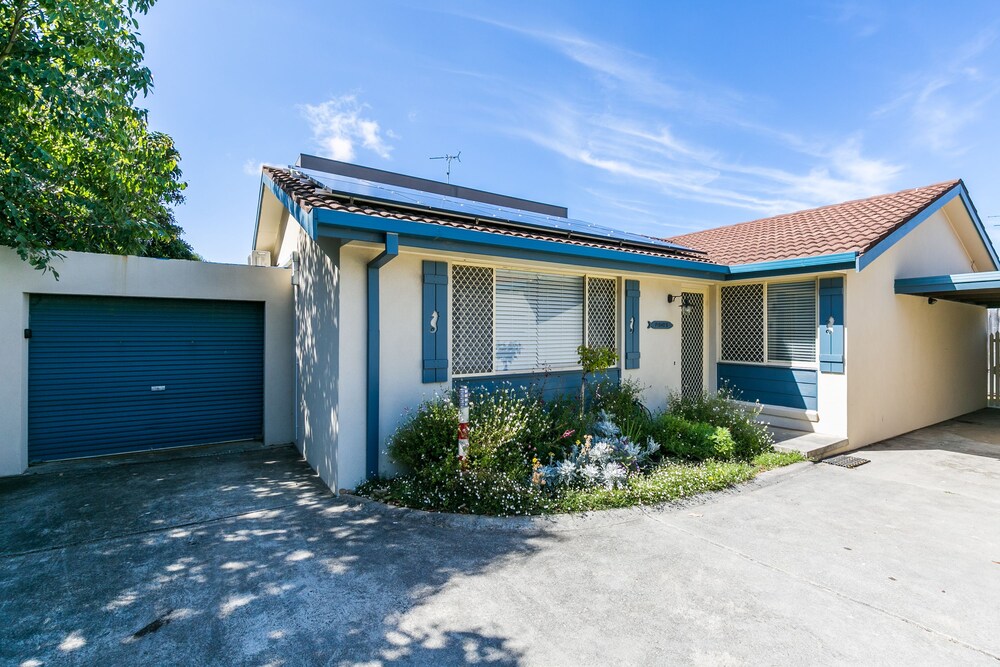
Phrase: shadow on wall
{"type": "Point", "coordinates": [245, 559]}
{"type": "Point", "coordinates": [317, 343]}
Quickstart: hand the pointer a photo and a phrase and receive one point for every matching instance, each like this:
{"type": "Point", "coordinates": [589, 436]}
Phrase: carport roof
{"type": "Point", "coordinates": [981, 289]}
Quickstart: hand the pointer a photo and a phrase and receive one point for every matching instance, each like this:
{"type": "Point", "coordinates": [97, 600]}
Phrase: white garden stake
{"type": "Point", "coordinates": [463, 422]}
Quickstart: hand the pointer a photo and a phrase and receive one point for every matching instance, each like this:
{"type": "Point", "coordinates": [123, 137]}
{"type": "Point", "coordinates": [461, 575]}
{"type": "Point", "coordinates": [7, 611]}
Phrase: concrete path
{"type": "Point", "coordinates": [245, 558]}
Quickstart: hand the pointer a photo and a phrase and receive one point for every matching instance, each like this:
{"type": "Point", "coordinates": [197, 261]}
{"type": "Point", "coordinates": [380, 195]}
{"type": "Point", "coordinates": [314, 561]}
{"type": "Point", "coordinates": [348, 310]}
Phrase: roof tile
{"type": "Point", "coordinates": [854, 226]}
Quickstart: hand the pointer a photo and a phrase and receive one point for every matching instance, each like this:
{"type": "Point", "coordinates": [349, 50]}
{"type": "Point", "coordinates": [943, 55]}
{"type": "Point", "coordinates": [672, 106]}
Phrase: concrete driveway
{"type": "Point", "coordinates": [244, 558]}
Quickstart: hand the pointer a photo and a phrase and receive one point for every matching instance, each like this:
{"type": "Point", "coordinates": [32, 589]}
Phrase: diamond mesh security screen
{"type": "Point", "coordinates": [602, 320]}
{"type": "Point", "coordinates": [472, 317]}
{"type": "Point", "coordinates": [742, 325]}
{"type": "Point", "coordinates": [791, 322]}
{"type": "Point", "coordinates": [692, 344]}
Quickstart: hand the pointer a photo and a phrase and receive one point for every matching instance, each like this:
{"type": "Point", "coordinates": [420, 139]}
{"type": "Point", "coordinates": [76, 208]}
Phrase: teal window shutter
{"type": "Point", "coordinates": [831, 325]}
{"type": "Point", "coordinates": [632, 324]}
{"type": "Point", "coordinates": [434, 322]}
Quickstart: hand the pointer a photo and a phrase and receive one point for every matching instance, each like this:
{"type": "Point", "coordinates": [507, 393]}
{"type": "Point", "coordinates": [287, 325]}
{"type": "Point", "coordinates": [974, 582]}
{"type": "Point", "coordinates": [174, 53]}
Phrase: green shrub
{"type": "Point", "coordinates": [507, 428]}
{"type": "Point", "coordinates": [750, 437]}
{"type": "Point", "coordinates": [428, 438]}
{"type": "Point", "coordinates": [472, 491]}
{"type": "Point", "coordinates": [695, 441]}
{"type": "Point", "coordinates": [623, 404]}
{"type": "Point", "coordinates": [504, 424]}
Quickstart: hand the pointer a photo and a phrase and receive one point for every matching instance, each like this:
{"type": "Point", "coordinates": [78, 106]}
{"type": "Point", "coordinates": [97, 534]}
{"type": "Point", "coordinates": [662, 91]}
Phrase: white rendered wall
{"type": "Point", "coordinates": [659, 370]}
{"type": "Point", "coordinates": [317, 358]}
{"type": "Point", "coordinates": [912, 364]}
{"type": "Point", "coordinates": [113, 275]}
{"type": "Point", "coordinates": [401, 386]}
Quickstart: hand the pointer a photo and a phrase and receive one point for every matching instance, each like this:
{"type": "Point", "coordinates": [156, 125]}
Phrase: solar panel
{"type": "Point", "coordinates": [392, 194]}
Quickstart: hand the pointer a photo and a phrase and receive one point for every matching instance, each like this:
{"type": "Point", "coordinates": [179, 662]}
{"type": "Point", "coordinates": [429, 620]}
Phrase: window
{"type": "Point", "coordinates": [784, 332]}
{"type": "Point", "coordinates": [742, 323]}
{"type": "Point", "coordinates": [472, 317]}
{"type": "Point", "coordinates": [602, 320]}
{"type": "Point", "coordinates": [508, 320]}
{"type": "Point", "coordinates": [791, 322]}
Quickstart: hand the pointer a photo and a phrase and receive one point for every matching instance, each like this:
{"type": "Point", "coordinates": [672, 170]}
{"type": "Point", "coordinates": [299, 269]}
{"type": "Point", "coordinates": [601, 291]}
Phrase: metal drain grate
{"type": "Point", "coordinates": [845, 461]}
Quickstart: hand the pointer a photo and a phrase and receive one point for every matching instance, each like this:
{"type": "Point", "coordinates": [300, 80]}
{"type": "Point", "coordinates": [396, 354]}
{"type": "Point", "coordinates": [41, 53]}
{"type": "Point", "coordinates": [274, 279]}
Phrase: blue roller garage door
{"type": "Point", "coordinates": [112, 375]}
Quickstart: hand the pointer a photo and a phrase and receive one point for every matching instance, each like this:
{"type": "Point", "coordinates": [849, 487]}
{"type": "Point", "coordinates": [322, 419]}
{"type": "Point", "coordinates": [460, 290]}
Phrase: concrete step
{"type": "Point", "coordinates": [813, 446]}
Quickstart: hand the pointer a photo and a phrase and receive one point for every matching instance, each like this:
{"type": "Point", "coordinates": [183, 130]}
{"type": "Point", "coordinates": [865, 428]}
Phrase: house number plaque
{"type": "Point", "coordinates": [659, 324]}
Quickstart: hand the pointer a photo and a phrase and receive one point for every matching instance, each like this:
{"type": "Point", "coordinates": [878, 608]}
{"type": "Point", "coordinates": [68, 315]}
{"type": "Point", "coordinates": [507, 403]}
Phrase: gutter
{"type": "Point", "coordinates": [783, 267]}
{"type": "Point", "coordinates": [374, 354]}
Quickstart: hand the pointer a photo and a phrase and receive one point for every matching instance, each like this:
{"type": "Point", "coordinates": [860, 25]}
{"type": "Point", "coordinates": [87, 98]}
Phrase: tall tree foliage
{"type": "Point", "coordinates": [79, 168]}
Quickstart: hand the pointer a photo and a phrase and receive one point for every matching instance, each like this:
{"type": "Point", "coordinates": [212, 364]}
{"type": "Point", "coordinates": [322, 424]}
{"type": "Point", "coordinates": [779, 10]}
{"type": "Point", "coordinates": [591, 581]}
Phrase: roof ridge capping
{"type": "Point", "coordinates": [856, 225]}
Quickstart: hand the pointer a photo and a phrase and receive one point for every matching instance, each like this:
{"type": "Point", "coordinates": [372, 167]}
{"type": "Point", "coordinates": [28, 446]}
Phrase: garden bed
{"type": "Point", "coordinates": [528, 456]}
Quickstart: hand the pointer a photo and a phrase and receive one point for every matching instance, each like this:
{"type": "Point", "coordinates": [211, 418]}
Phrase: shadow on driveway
{"type": "Point", "coordinates": [244, 558]}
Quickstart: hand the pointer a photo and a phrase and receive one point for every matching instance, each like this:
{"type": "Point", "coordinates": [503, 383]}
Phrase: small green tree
{"type": "Point", "coordinates": [593, 359]}
{"type": "Point", "coordinates": [79, 168]}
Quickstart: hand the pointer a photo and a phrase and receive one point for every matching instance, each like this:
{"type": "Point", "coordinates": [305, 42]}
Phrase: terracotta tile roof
{"type": "Point", "coordinates": [308, 194]}
{"type": "Point", "coordinates": [854, 226]}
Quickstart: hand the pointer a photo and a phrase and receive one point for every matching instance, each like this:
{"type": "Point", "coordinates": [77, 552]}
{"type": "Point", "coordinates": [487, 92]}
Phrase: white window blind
{"type": "Point", "coordinates": [791, 322]}
{"type": "Point", "coordinates": [539, 320]}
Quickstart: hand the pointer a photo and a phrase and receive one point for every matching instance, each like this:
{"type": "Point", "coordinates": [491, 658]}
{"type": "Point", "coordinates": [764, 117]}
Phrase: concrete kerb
{"type": "Point", "coordinates": [561, 523]}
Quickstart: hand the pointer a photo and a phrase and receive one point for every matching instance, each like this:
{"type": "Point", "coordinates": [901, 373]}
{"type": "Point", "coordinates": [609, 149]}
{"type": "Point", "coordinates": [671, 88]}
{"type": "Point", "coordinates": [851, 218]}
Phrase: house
{"type": "Point", "coordinates": [861, 320]}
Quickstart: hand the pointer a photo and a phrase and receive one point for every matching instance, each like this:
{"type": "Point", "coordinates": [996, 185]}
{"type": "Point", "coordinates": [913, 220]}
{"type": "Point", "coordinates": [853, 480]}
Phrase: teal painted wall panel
{"type": "Point", "coordinates": [550, 385]}
{"type": "Point", "coordinates": [771, 385]}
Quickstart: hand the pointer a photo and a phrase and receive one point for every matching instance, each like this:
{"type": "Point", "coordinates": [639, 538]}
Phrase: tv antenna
{"type": "Point", "coordinates": [449, 158]}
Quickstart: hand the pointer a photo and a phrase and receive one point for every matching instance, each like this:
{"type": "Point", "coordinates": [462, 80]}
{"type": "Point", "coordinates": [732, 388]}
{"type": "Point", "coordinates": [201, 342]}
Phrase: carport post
{"type": "Point", "coordinates": [374, 353]}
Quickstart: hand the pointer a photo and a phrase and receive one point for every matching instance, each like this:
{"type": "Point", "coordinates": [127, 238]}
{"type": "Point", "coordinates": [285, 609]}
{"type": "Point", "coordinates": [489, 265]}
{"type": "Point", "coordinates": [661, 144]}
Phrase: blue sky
{"type": "Point", "coordinates": [656, 117]}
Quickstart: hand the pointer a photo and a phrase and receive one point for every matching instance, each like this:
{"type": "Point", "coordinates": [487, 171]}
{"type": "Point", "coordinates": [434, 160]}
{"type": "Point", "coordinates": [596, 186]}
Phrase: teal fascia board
{"type": "Point", "coordinates": [970, 208]}
{"type": "Point", "coordinates": [783, 267]}
{"type": "Point", "coordinates": [893, 238]}
{"type": "Point", "coordinates": [959, 282]}
{"type": "Point", "coordinates": [306, 219]}
{"type": "Point", "coordinates": [441, 237]}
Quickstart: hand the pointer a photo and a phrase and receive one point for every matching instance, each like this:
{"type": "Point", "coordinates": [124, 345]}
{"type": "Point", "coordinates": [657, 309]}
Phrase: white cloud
{"type": "Point", "coordinates": [637, 151]}
{"type": "Point", "coordinates": [941, 103]}
{"type": "Point", "coordinates": [252, 167]}
{"type": "Point", "coordinates": [641, 135]}
{"type": "Point", "coordinates": [341, 124]}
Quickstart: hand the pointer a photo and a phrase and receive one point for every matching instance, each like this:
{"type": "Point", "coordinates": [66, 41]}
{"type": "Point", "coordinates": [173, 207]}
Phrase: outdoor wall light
{"type": "Point", "coordinates": [686, 306]}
